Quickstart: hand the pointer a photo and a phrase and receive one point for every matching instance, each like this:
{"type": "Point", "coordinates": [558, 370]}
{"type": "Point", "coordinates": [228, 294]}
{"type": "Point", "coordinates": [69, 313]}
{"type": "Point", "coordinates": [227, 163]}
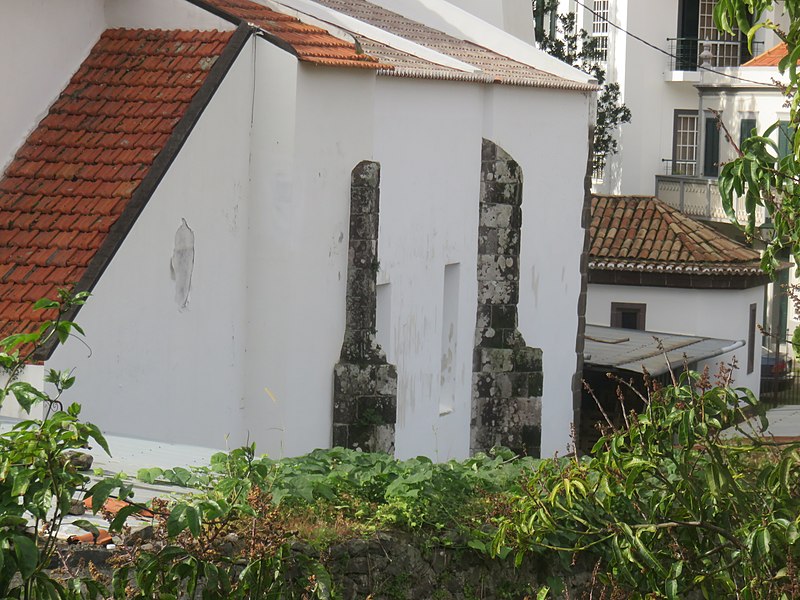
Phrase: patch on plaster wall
{"type": "Point", "coordinates": [182, 264]}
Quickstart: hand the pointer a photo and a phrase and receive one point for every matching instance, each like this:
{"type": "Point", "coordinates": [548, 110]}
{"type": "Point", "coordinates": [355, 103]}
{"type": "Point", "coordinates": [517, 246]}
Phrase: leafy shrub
{"type": "Point", "coordinates": [669, 505]}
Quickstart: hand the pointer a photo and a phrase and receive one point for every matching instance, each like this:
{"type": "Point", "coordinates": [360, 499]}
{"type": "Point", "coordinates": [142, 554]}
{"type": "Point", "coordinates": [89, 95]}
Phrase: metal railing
{"type": "Point", "coordinates": [780, 383]}
{"type": "Point", "coordinates": [673, 166]}
{"type": "Point", "coordinates": [685, 53]}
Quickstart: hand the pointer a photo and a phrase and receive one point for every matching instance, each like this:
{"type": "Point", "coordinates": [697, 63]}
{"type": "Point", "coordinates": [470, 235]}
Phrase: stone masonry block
{"type": "Point", "coordinates": [508, 241]}
{"type": "Point", "coordinates": [363, 254]}
{"type": "Point", "coordinates": [340, 435]}
{"type": "Point", "coordinates": [496, 215]}
{"type": "Point", "coordinates": [507, 194]}
{"type": "Point", "coordinates": [366, 173]}
{"type": "Point", "coordinates": [536, 384]}
{"type": "Point", "coordinates": [363, 200]}
{"type": "Point", "coordinates": [489, 338]}
{"type": "Point", "coordinates": [498, 292]}
{"type": "Point", "coordinates": [360, 313]}
{"type": "Point", "coordinates": [528, 359]}
{"type": "Point", "coordinates": [386, 380]}
{"type": "Point", "coordinates": [376, 410]}
{"type": "Point", "coordinates": [498, 268]}
{"type": "Point", "coordinates": [488, 243]}
{"type": "Point", "coordinates": [504, 316]}
{"type": "Point", "coordinates": [496, 360]}
{"type": "Point", "coordinates": [344, 408]}
{"type": "Point", "coordinates": [364, 227]}
{"type": "Point", "coordinates": [354, 379]}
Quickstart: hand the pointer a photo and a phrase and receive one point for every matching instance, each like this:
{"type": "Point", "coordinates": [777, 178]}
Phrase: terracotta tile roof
{"type": "Point", "coordinates": [642, 233]}
{"type": "Point", "coordinates": [495, 68]}
{"type": "Point", "coordinates": [770, 58]}
{"type": "Point", "coordinates": [74, 175]}
{"type": "Point", "coordinates": [312, 44]}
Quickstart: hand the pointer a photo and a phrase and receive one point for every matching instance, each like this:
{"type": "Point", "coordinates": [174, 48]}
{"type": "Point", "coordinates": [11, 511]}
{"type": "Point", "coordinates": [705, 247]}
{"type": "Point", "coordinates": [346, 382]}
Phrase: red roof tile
{"type": "Point", "coordinates": [77, 171]}
{"type": "Point", "coordinates": [311, 43]}
{"type": "Point", "coordinates": [770, 58]}
{"type": "Point", "coordinates": [642, 233]}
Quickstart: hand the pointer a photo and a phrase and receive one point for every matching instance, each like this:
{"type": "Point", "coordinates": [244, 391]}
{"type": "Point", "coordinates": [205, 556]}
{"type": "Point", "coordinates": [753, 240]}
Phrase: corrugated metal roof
{"type": "Point", "coordinates": [632, 349]}
{"type": "Point", "coordinates": [495, 67]}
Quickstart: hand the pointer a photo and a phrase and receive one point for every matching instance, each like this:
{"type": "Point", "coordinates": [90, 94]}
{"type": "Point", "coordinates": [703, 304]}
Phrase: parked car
{"type": "Point", "coordinates": [777, 371]}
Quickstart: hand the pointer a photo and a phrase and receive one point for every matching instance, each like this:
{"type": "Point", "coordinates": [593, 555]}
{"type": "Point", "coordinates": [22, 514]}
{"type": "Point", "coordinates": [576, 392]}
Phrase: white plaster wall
{"type": "Point", "coordinates": [311, 130]}
{"type": "Point", "coordinates": [512, 16]}
{"type": "Point", "coordinates": [546, 131]}
{"type": "Point", "coordinates": [42, 43]}
{"type": "Point", "coordinates": [156, 371]}
{"type": "Point", "coordinates": [428, 141]}
{"type": "Point", "coordinates": [161, 14]}
{"type": "Point", "coordinates": [647, 139]}
{"type": "Point", "coordinates": [34, 375]}
{"type": "Point", "coordinates": [723, 314]}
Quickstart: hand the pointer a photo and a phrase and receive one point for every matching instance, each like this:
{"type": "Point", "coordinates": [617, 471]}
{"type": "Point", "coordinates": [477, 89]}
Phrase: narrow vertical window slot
{"type": "Point", "coordinates": [447, 388]}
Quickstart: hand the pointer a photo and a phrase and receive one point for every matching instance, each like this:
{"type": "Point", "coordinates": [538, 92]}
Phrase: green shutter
{"type": "Point", "coordinates": [711, 151]}
{"type": "Point", "coordinates": [746, 129]}
{"type": "Point", "coordinates": [785, 139]}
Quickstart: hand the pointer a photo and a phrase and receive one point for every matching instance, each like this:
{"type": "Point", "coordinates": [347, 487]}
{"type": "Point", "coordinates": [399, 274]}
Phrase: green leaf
{"type": "Point", "coordinates": [121, 516]}
{"type": "Point", "coordinates": [87, 526]}
{"type": "Point", "coordinates": [27, 555]}
{"type": "Point", "coordinates": [193, 520]}
{"type": "Point", "coordinates": [176, 521]}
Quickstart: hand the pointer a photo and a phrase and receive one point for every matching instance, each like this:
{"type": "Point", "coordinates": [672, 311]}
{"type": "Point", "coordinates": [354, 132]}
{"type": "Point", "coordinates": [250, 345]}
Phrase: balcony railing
{"type": "Point", "coordinates": [674, 166]}
{"type": "Point", "coordinates": [699, 197]}
{"type": "Point", "coordinates": [685, 53]}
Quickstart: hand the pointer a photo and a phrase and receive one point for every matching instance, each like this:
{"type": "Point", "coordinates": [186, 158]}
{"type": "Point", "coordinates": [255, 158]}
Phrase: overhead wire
{"type": "Point", "coordinates": [666, 53]}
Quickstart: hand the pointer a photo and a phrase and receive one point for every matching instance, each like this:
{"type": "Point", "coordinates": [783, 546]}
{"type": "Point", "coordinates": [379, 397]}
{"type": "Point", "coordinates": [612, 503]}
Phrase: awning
{"type": "Point", "coordinates": [632, 349]}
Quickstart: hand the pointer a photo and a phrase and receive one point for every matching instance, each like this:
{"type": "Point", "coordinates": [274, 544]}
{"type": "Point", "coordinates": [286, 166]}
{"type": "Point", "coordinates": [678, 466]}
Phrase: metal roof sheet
{"type": "Point", "coordinates": [632, 349]}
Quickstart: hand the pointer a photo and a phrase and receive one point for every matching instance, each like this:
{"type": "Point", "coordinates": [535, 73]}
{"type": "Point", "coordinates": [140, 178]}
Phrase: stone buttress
{"type": "Point", "coordinates": [365, 384]}
{"type": "Point", "coordinates": [507, 374]}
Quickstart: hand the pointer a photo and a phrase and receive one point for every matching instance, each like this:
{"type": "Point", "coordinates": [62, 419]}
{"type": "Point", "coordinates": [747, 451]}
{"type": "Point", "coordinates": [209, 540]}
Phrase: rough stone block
{"type": "Point", "coordinates": [504, 316]}
{"type": "Point", "coordinates": [376, 410]}
{"type": "Point", "coordinates": [354, 379]}
{"type": "Point", "coordinates": [495, 215]}
{"type": "Point", "coordinates": [508, 241]}
{"type": "Point", "coordinates": [498, 268]}
{"type": "Point", "coordinates": [506, 194]}
{"type": "Point", "coordinates": [363, 200]}
{"type": "Point", "coordinates": [536, 384]}
{"type": "Point", "coordinates": [483, 385]}
{"type": "Point", "coordinates": [498, 292]}
{"type": "Point", "coordinates": [364, 226]}
{"type": "Point", "coordinates": [504, 171]}
{"type": "Point", "coordinates": [366, 173]}
{"type": "Point", "coordinates": [360, 313]}
{"type": "Point", "coordinates": [340, 435]}
{"type": "Point", "coordinates": [496, 360]}
{"type": "Point", "coordinates": [488, 240]}
{"type": "Point", "coordinates": [386, 380]}
{"type": "Point", "coordinates": [344, 407]}
{"type": "Point", "coordinates": [490, 338]}
{"type": "Point", "coordinates": [362, 254]}
{"type": "Point", "coordinates": [528, 359]}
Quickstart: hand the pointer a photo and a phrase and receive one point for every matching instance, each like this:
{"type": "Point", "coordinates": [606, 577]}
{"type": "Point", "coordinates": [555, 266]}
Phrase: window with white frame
{"type": "Point", "coordinates": [600, 27]}
{"type": "Point", "coordinates": [684, 143]}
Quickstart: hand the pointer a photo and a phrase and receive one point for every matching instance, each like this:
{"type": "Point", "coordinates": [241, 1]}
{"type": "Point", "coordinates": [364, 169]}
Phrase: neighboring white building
{"type": "Point", "coordinates": [653, 268]}
{"type": "Point", "coordinates": [219, 192]}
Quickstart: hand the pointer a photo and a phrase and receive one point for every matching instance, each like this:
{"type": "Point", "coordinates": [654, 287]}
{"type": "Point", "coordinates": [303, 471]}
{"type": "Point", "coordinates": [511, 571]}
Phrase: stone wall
{"type": "Point", "coordinates": [507, 374]}
{"type": "Point", "coordinates": [365, 384]}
